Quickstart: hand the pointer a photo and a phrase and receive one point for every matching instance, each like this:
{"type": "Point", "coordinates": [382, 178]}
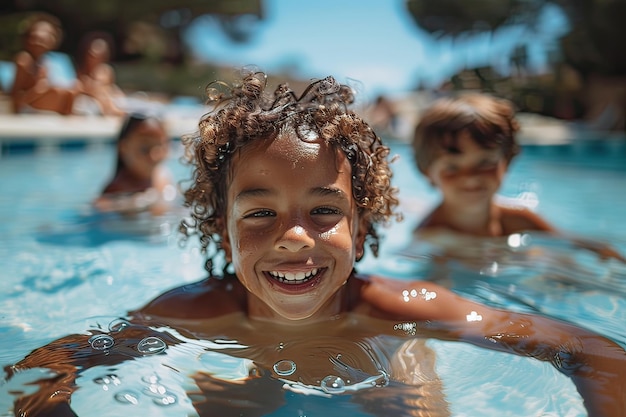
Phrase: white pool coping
{"type": "Point", "coordinates": [50, 131]}
{"type": "Point", "coordinates": [46, 131]}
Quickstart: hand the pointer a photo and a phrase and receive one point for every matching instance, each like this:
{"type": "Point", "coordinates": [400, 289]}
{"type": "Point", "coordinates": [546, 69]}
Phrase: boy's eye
{"type": "Point", "coordinates": [488, 164]}
{"type": "Point", "coordinates": [326, 210]}
{"type": "Point", "coordinates": [260, 214]}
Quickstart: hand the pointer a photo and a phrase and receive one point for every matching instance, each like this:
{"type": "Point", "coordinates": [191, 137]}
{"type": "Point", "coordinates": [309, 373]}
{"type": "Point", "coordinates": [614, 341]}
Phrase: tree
{"type": "Point", "coordinates": [161, 21]}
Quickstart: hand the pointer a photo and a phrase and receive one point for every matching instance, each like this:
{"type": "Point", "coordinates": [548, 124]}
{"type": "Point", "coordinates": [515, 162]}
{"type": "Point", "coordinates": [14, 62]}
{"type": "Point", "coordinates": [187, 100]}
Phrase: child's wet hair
{"type": "Point", "coordinates": [490, 121]}
{"type": "Point", "coordinates": [246, 113]}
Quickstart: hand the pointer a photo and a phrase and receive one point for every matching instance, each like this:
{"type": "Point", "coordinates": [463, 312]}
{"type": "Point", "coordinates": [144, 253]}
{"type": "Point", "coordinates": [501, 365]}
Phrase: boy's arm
{"type": "Point", "coordinates": [531, 221]}
{"type": "Point", "coordinates": [23, 61]}
{"type": "Point", "coordinates": [603, 250]}
{"type": "Point", "coordinates": [67, 357]}
{"type": "Point", "coordinates": [596, 365]}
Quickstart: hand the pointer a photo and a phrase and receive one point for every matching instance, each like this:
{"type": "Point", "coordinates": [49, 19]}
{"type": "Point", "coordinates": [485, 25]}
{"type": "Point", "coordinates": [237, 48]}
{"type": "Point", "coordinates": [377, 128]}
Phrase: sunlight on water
{"type": "Point", "coordinates": [66, 271]}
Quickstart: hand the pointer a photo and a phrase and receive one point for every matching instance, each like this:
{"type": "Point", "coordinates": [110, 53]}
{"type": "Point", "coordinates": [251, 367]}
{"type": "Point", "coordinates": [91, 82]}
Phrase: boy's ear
{"type": "Point", "coordinates": [363, 228]}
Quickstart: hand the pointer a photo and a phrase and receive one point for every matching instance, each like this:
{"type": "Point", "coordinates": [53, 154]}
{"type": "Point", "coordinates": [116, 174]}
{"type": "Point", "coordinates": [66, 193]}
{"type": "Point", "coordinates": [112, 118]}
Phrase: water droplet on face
{"type": "Point", "coordinates": [151, 345]}
{"type": "Point", "coordinates": [127, 397]}
{"type": "Point", "coordinates": [101, 342]}
{"type": "Point", "coordinates": [285, 367]}
{"type": "Point", "coordinates": [333, 384]}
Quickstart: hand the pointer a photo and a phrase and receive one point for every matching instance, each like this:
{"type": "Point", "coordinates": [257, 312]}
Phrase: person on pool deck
{"type": "Point", "coordinates": [96, 75]}
{"type": "Point", "coordinates": [464, 145]}
{"type": "Point", "coordinates": [287, 193]}
{"type": "Point", "coordinates": [141, 181]}
{"type": "Point", "coordinates": [32, 89]}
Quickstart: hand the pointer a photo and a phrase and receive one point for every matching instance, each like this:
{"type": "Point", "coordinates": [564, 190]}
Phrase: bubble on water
{"type": "Point", "coordinates": [285, 367]}
{"type": "Point", "coordinates": [166, 400]}
{"type": "Point", "coordinates": [127, 397]}
{"type": "Point", "coordinates": [333, 384]}
{"type": "Point", "coordinates": [101, 342]}
{"type": "Point", "coordinates": [107, 380]}
{"type": "Point", "coordinates": [150, 379]}
{"type": "Point", "coordinates": [118, 325]}
{"type": "Point", "coordinates": [151, 345]}
{"type": "Point", "coordinates": [155, 390]}
{"type": "Point", "coordinates": [159, 393]}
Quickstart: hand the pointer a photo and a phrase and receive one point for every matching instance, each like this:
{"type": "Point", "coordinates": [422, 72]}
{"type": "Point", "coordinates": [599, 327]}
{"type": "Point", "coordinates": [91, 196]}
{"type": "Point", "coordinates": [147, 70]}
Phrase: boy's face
{"type": "Point", "coordinates": [471, 177]}
{"type": "Point", "coordinates": [146, 146]}
{"type": "Point", "coordinates": [292, 229]}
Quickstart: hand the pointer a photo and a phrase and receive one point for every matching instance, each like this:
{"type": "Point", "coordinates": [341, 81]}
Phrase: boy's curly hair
{"type": "Point", "coordinates": [489, 120]}
{"type": "Point", "coordinates": [246, 113]}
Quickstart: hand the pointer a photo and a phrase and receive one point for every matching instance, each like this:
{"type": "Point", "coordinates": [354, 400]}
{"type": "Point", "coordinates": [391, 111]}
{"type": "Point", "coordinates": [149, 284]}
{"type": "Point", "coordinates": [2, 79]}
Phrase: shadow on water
{"type": "Point", "coordinates": [96, 229]}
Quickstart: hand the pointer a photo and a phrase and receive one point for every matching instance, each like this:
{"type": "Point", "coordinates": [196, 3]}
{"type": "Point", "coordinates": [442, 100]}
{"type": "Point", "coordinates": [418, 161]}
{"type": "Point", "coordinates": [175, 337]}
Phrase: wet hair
{"type": "Point", "coordinates": [131, 122]}
{"type": "Point", "coordinates": [245, 113]}
{"type": "Point", "coordinates": [32, 20]}
{"type": "Point", "coordinates": [490, 121]}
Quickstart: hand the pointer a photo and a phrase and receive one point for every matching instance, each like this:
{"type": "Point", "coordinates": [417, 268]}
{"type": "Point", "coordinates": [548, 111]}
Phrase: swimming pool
{"type": "Point", "coordinates": [65, 270]}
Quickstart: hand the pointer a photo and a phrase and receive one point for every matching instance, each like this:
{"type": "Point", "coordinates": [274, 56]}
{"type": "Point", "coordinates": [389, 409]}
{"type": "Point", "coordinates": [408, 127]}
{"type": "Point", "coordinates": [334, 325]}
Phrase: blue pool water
{"type": "Point", "coordinates": [65, 271]}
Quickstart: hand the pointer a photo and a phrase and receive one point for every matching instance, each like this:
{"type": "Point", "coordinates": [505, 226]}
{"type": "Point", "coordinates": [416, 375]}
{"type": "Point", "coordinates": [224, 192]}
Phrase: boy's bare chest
{"type": "Point", "coordinates": [309, 355]}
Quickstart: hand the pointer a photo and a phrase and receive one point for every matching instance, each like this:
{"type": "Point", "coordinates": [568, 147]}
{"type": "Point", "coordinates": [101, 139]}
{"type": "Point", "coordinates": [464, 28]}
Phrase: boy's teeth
{"type": "Point", "coordinates": [294, 276]}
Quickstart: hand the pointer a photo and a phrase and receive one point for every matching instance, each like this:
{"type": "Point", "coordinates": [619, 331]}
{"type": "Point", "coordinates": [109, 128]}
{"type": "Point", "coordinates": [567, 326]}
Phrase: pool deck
{"type": "Point", "coordinates": [43, 132]}
{"type": "Point", "coordinates": [50, 131]}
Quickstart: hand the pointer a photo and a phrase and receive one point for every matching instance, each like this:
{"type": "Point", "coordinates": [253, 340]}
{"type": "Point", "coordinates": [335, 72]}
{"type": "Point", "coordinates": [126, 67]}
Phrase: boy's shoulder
{"type": "Point", "coordinates": [515, 219]}
{"type": "Point", "coordinates": [209, 298]}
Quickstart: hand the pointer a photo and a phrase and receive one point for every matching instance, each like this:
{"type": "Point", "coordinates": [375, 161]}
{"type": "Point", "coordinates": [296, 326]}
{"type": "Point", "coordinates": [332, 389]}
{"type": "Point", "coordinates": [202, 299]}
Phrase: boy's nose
{"type": "Point", "coordinates": [158, 153]}
{"type": "Point", "coordinates": [471, 178]}
{"type": "Point", "coordinates": [294, 238]}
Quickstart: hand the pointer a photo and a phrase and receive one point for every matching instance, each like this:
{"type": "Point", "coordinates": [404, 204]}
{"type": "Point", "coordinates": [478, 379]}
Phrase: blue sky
{"type": "Point", "coordinates": [372, 43]}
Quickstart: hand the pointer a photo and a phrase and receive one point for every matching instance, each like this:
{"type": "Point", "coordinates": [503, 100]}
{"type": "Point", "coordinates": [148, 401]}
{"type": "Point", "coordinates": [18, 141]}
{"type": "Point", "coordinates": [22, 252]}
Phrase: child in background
{"type": "Point", "coordinates": [286, 195]}
{"type": "Point", "coordinates": [141, 182]}
{"type": "Point", "coordinates": [95, 74]}
{"type": "Point", "coordinates": [464, 146]}
{"type": "Point", "coordinates": [32, 88]}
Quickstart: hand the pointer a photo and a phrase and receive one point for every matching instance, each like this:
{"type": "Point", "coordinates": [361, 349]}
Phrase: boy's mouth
{"type": "Point", "coordinates": [294, 278]}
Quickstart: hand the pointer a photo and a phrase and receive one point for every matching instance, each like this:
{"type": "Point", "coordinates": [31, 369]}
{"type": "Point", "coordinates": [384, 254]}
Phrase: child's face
{"type": "Point", "coordinates": [98, 51]}
{"type": "Point", "coordinates": [41, 38]}
{"type": "Point", "coordinates": [145, 147]}
{"type": "Point", "coordinates": [292, 229]}
{"type": "Point", "coordinates": [471, 177]}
